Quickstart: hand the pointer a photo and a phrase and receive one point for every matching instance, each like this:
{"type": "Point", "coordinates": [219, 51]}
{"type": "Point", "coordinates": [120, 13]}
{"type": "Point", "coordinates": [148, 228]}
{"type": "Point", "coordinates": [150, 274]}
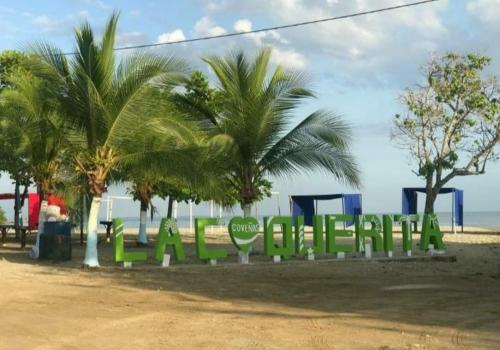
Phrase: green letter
{"type": "Point", "coordinates": [406, 221]}
{"type": "Point", "coordinates": [300, 246]}
{"type": "Point", "coordinates": [201, 249]}
{"type": "Point", "coordinates": [119, 249]}
{"type": "Point", "coordinates": [431, 233]}
{"type": "Point", "coordinates": [169, 235]}
{"type": "Point", "coordinates": [373, 232]}
{"type": "Point", "coordinates": [270, 249]}
{"type": "Point", "coordinates": [318, 241]}
{"type": "Point", "coordinates": [332, 233]}
{"type": "Point", "coordinates": [243, 232]}
{"type": "Point", "coordinates": [387, 226]}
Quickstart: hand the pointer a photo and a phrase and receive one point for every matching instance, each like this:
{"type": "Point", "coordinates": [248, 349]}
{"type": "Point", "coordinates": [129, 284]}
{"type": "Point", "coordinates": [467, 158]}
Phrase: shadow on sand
{"type": "Point", "coordinates": [464, 294]}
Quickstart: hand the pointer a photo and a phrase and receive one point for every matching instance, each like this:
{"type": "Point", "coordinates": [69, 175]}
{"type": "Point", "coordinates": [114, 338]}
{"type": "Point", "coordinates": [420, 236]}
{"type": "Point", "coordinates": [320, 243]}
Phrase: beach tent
{"type": "Point", "coordinates": [307, 205]}
{"type": "Point", "coordinates": [410, 199]}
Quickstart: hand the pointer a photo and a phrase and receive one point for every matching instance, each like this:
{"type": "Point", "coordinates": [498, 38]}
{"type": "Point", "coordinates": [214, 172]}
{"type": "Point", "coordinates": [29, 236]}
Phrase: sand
{"type": "Point", "coordinates": [355, 304]}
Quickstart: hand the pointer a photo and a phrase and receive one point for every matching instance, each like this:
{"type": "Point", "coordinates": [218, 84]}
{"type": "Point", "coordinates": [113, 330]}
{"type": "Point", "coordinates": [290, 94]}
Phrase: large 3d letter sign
{"type": "Point", "coordinates": [169, 236]}
{"type": "Point", "coordinates": [270, 248]}
{"type": "Point", "coordinates": [373, 232]}
{"type": "Point", "coordinates": [332, 233]}
{"type": "Point", "coordinates": [387, 233]}
{"type": "Point", "coordinates": [301, 248]}
{"type": "Point", "coordinates": [201, 249]}
{"type": "Point", "coordinates": [118, 245]}
{"type": "Point", "coordinates": [406, 221]}
{"type": "Point", "coordinates": [431, 233]}
{"type": "Point", "coordinates": [243, 232]}
{"type": "Point", "coordinates": [279, 241]}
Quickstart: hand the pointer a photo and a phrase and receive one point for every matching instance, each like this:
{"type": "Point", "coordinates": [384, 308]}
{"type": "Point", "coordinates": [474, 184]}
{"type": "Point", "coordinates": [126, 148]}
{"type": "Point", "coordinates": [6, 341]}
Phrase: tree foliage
{"type": "Point", "coordinates": [33, 115]}
{"type": "Point", "coordinates": [251, 121]}
{"type": "Point", "coordinates": [12, 64]}
{"type": "Point", "coordinates": [452, 122]}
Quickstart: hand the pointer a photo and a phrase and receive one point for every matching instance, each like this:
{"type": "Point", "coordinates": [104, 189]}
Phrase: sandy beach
{"type": "Point", "coordinates": [358, 304]}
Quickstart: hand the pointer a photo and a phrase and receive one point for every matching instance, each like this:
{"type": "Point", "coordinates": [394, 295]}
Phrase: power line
{"type": "Point", "coordinates": [329, 19]}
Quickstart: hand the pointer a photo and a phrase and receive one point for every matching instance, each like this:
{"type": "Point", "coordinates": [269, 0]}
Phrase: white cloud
{"type": "Point", "coordinates": [207, 27]}
{"type": "Point", "coordinates": [288, 58]}
{"type": "Point", "coordinates": [43, 21]}
{"type": "Point", "coordinates": [84, 14]}
{"type": "Point", "coordinates": [260, 38]}
{"type": "Point", "coordinates": [48, 24]}
{"type": "Point", "coordinates": [60, 25]}
{"type": "Point", "coordinates": [176, 35]}
{"type": "Point", "coordinates": [131, 38]}
{"type": "Point", "coordinates": [243, 25]}
{"type": "Point", "coordinates": [390, 44]}
{"type": "Point", "coordinates": [485, 10]}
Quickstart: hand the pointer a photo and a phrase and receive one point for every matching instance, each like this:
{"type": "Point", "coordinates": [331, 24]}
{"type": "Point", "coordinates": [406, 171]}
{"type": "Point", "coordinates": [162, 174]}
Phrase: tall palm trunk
{"type": "Point", "coordinates": [247, 209]}
{"type": "Point", "coordinates": [91, 258]}
{"type": "Point", "coordinates": [143, 237]}
{"type": "Point", "coordinates": [97, 185]}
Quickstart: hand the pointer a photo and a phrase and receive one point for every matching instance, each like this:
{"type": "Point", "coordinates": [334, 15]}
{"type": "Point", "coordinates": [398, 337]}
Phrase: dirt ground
{"type": "Point", "coordinates": [352, 304]}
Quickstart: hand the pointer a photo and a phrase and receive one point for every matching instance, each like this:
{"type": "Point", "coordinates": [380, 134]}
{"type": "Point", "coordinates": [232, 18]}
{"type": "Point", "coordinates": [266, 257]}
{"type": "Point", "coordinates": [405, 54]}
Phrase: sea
{"type": "Point", "coordinates": [487, 219]}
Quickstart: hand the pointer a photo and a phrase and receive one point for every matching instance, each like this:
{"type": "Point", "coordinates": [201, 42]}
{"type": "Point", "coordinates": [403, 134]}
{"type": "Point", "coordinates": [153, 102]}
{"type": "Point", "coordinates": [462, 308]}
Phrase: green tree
{"type": "Point", "coordinates": [185, 164]}
{"type": "Point", "coordinates": [112, 104]}
{"type": "Point", "coordinates": [143, 187]}
{"type": "Point", "coordinates": [176, 190]}
{"type": "Point", "coordinates": [12, 64]}
{"type": "Point", "coordinates": [33, 113]}
{"type": "Point", "coordinates": [251, 120]}
{"type": "Point", "coordinates": [13, 162]}
{"type": "Point", "coordinates": [452, 122]}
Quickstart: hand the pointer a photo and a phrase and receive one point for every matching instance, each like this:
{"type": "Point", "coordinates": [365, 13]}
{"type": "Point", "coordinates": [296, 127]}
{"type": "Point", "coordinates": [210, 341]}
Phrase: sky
{"type": "Point", "coordinates": [358, 68]}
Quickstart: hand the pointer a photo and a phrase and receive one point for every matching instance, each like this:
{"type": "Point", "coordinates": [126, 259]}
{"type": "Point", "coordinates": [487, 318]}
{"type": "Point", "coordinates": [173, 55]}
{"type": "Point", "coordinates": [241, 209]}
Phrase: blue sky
{"type": "Point", "coordinates": [358, 67]}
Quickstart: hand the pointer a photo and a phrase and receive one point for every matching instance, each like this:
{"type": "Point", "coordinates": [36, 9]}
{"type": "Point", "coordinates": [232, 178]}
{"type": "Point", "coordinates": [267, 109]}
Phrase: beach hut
{"type": "Point", "coordinates": [307, 205]}
{"type": "Point", "coordinates": [410, 201]}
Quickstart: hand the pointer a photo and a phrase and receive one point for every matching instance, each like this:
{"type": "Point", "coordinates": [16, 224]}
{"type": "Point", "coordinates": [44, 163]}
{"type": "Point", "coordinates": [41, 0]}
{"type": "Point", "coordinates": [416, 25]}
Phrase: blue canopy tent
{"type": "Point", "coordinates": [410, 199]}
{"type": "Point", "coordinates": [305, 205]}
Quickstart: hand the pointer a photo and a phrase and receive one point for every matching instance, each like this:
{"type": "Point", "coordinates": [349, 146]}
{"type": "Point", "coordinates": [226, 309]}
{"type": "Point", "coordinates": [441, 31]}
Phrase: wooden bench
{"type": "Point", "coordinates": [5, 229]}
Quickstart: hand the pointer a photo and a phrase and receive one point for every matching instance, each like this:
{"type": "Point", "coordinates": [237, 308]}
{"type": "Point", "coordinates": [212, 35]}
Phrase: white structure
{"type": "Point", "coordinates": [109, 205]}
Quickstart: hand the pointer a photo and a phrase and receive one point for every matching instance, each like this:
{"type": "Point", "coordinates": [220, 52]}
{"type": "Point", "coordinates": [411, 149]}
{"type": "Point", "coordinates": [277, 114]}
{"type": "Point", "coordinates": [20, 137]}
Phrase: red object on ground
{"type": "Point", "coordinates": [34, 206]}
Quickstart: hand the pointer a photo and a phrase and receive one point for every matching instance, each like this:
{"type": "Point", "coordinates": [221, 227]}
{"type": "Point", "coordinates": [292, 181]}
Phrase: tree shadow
{"type": "Point", "coordinates": [464, 294]}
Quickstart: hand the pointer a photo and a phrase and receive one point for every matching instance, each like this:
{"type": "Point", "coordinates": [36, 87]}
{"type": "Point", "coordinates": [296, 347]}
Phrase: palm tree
{"type": "Point", "coordinates": [110, 104]}
{"type": "Point", "coordinates": [12, 65]}
{"type": "Point", "coordinates": [143, 190]}
{"type": "Point", "coordinates": [182, 175]}
{"type": "Point", "coordinates": [33, 109]}
{"type": "Point", "coordinates": [254, 114]}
